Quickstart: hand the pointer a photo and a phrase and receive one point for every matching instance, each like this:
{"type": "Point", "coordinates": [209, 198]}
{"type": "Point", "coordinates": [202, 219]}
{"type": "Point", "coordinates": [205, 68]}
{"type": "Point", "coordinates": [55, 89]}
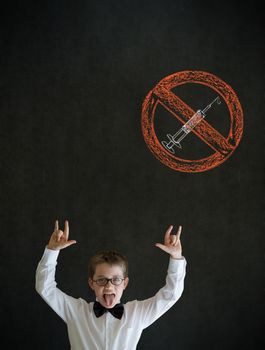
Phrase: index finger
{"type": "Point", "coordinates": [167, 234]}
{"type": "Point", "coordinates": [66, 229]}
{"type": "Point", "coordinates": [56, 226]}
{"type": "Point", "coordinates": [179, 232]}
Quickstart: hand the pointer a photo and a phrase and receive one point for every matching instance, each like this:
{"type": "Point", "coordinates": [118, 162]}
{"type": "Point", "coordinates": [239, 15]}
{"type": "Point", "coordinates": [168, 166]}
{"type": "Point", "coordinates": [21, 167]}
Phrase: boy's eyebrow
{"type": "Point", "coordinates": [102, 276]}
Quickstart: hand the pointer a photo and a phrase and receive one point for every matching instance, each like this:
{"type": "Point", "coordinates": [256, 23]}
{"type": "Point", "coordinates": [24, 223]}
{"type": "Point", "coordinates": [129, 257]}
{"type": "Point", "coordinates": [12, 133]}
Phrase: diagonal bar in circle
{"type": "Point", "coordinates": [203, 130]}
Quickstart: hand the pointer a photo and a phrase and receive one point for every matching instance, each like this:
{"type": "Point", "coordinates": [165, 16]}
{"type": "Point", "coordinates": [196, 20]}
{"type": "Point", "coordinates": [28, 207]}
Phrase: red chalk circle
{"type": "Point", "coordinates": [223, 146]}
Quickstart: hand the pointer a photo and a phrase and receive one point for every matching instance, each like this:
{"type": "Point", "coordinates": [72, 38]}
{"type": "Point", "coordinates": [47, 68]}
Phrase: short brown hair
{"type": "Point", "coordinates": [110, 257]}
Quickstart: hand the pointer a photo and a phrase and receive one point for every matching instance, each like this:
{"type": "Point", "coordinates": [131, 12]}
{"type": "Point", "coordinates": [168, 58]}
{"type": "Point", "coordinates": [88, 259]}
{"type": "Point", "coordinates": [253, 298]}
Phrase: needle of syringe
{"type": "Point", "coordinates": [217, 99]}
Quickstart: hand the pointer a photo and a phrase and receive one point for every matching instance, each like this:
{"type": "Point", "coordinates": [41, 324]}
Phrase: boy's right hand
{"type": "Point", "coordinates": [59, 239]}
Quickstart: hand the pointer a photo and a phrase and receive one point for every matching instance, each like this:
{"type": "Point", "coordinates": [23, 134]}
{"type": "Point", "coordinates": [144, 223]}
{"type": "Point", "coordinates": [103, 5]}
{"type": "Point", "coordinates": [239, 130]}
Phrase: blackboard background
{"type": "Point", "coordinates": [74, 75]}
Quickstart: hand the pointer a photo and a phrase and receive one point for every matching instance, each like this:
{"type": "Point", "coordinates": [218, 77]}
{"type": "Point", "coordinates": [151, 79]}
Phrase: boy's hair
{"type": "Point", "coordinates": [110, 257]}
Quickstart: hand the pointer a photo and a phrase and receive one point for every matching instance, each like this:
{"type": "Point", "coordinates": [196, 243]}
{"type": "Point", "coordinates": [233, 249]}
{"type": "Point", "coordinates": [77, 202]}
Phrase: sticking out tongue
{"type": "Point", "coordinates": [109, 298]}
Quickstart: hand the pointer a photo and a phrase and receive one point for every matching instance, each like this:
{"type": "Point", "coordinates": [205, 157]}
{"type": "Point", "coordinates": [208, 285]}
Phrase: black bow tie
{"type": "Point", "coordinates": [116, 311]}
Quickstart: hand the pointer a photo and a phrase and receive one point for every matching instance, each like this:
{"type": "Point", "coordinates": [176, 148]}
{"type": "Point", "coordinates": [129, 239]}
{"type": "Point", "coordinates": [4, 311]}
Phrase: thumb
{"type": "Point", "coordinates": [162, 246]}
{"type": "Point", "coordinates": [68, 243]}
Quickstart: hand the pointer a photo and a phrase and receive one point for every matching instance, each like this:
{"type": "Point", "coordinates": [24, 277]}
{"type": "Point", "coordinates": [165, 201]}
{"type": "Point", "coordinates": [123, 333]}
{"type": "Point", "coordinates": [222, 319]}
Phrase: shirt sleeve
{"type": "Point", "coordinates": [46, 285]}
{"type": "Point", "coordinates": [151, 309]}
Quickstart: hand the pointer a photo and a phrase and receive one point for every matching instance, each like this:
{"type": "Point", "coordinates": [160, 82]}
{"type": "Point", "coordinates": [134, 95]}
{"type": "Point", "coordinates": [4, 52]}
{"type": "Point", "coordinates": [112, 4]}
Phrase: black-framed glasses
{"type": "Point", "coordinates": [116, 281]}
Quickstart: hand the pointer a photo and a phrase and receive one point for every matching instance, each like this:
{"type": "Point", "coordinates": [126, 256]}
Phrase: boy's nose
{"type": "Point", "coordinates": [108, 285]}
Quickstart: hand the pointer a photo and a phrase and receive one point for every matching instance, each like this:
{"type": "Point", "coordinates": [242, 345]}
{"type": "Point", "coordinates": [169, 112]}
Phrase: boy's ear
{"type": "Point", "coordinates": [126, 282]}
{"type": "Point", "coordinates": [90, 282]}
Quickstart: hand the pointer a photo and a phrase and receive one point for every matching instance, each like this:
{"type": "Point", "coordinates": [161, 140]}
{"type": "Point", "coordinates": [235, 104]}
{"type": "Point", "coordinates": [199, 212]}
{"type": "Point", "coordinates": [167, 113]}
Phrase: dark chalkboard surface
{"type": "Point", "coordinates": [73, 79]}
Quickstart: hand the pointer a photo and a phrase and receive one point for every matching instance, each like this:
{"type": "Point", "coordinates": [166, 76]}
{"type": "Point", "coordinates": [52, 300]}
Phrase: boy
{"type": "Point", "coordinates": [106, 324]}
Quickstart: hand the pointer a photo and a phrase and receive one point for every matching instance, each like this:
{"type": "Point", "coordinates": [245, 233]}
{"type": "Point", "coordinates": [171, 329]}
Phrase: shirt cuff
{"type": "Point", "coordinates": [177, 265]}
{"type": "Point", "coordinates": [50, 256]}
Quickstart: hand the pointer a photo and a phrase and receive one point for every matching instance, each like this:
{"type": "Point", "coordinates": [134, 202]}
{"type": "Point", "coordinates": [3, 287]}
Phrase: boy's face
{"type": "Point", "coordinates": [108, 295]}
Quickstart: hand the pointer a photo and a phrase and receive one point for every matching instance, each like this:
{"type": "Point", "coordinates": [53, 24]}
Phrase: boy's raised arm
{"type": "Point", "coordinates": [59, 239]}
{"type": "Point", "coordinates": [172, 244]}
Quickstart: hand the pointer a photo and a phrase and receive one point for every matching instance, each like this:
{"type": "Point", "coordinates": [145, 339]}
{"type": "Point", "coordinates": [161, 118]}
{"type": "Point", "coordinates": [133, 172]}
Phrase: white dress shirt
{"type": "Point", "coordinates": [85, 330]}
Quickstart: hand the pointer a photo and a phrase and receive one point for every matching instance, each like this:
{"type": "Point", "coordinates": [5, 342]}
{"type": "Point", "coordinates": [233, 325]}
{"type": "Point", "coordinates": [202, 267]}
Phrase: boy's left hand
{"type": "Point", "coordinates": [172, 244]}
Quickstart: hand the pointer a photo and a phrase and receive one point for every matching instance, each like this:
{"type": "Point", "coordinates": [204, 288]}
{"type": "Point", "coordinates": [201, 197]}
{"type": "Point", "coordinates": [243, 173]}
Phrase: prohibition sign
{"type": "Point", "coordinates": [223, 147]}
